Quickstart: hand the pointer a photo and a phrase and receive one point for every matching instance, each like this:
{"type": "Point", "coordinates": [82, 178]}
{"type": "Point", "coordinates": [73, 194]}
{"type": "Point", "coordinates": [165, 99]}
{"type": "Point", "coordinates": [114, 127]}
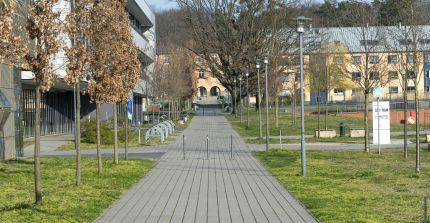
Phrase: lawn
{"type": "Point", "coordinates": [63, 201]}
{"type": "Point", "coordinates": [288, 129]}
{"type": "Point", "coordinates": [352, 186]}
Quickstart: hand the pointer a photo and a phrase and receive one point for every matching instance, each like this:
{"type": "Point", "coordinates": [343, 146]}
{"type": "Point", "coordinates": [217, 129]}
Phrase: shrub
{"type": "Point", "coordinates": [88, 132]}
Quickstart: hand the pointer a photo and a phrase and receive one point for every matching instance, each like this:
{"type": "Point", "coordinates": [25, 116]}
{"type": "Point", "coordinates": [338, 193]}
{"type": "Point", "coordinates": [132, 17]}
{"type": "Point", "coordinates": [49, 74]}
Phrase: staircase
{"type": "Point", "coordinates": [209, 100]}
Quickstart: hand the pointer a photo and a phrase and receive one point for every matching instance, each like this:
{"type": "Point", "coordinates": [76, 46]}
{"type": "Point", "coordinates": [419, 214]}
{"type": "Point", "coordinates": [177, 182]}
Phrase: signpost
{"type": "Point", "coordinates": [381, 119]}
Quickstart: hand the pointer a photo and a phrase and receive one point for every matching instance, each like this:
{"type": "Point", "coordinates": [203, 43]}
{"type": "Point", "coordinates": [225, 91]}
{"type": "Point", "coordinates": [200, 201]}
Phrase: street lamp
{"type": "Point", "coordinates": [300, 30]}
{"type": "Point", "coordinates": [240, 99]}
{"type": "Point", "coordinates": [266, 62]}
{"type": "Point", "coordinates": [234, 97]}
{"type": "Point", "coordinates": [259, 97]}
{"type": "Point", "coordinates": [247, 100]}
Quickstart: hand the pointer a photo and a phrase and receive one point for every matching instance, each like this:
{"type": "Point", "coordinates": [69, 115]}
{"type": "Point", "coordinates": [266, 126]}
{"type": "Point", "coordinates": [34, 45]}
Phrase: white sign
{"type": "Point", "coordinates": [381, 113]}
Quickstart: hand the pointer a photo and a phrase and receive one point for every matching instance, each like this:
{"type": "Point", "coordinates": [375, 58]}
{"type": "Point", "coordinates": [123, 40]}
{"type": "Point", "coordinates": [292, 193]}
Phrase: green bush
{"type": "Point", "coordinates": [88, 132]}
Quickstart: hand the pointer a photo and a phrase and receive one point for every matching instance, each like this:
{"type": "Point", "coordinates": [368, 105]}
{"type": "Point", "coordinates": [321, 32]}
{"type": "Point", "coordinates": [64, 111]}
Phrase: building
{"type": "Point", "coordinates": [57, 107]}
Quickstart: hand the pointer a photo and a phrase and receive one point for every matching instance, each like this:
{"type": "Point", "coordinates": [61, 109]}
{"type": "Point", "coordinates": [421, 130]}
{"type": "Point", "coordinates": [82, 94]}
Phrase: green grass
{"type": "Point", "coordinates": [352, 186]}
{"type": "Point", "coordinates": [63, 201]}
{"type": "Point", "coordinates": [288, 129]}
{"type": "Point", "coordinates": [28, 142]}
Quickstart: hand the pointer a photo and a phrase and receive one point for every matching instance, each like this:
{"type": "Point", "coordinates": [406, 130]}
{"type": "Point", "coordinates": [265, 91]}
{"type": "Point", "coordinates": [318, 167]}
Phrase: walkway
{"type": "Point", "coordinates": [218, 189]}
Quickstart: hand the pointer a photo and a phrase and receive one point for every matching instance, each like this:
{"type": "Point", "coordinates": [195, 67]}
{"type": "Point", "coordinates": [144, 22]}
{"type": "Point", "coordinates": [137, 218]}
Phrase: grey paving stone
{"type": "Point", "coordinates": [196, 189]}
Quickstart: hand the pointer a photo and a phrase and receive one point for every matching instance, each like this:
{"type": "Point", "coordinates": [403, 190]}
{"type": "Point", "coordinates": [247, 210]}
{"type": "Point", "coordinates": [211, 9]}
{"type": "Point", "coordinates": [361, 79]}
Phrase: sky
{"type": "Point", "coordinates": [160, 5]}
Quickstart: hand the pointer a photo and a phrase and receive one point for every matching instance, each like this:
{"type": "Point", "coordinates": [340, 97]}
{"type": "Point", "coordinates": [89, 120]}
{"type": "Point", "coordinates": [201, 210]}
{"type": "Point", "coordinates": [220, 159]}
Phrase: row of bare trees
{"type": "Point", "coordinates": [101, 50]}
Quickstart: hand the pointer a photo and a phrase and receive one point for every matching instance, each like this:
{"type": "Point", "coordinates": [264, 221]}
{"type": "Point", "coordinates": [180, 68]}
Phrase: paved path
{"type": "Point", "coordinates": [218, 189]}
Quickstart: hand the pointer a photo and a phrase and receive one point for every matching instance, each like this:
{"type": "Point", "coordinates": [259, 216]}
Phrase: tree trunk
{"type": "Point", "coordinates": [405, 124]}
{"type": "Point", "coordinates": [276, 112]}
{"type": "Point", "coordinates": [37, 173]}
{"type": "Point", "coordinates": [366, 122]}
{"type": "Point", "coordinates": [169, 110]}
{"type": "Point", "coordinates": [294, 110]}
{"type": "Point", "coordinates": [417, 131]}
{"type": "Point", "coordinates": [115, 133]}
{"type": "Point", "coordinates": [78, 134]}
{"type": "Point", "coordinates": [326, 110]}
{"type": "Point", "coordinates": [126, 135]}
{"type": "Point", "coordinates": [319, 113]}
{"type": "Point", "coordinates": [99, 155]}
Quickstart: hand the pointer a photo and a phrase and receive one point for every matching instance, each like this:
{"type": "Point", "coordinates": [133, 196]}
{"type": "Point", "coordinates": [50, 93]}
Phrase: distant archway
{"type": "Point", "coordinates": [215, 91]}
{"type": "Point", "coordinates": [203, 92]}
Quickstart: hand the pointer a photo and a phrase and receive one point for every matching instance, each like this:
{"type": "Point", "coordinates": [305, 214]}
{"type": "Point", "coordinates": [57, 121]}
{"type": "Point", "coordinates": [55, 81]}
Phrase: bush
{"type": "Point", "coordinates": [88, 132]}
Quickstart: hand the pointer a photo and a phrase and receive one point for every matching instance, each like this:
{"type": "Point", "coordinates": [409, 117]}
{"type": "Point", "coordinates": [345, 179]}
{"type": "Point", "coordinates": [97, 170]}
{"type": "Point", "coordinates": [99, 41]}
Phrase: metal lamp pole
{"type": "Point", "coordinates": [259, 98]}
{"type": "Point", "coordinates": [234, 97]}
{"type": "Point", "coordinates": [247, 100]}
{"type": "Point", "coordinates": [266, 62]}
{"type": "Point", "coordinates": [240, 99]}
{"type": "Point", "coordinates": [301, 29]}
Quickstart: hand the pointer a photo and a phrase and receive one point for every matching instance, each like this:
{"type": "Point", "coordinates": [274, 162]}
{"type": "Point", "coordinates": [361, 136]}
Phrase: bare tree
{"type": "Point", "coordinates": [44, 28]}
{"type": "Point", "coordinates": [228, 35]}
{"type": "Point", "coordinates": [367, 69]}
{"type": "Point", "coordinates": [407, 40]}
{"type": "Point", "coordinates": [327, 68]}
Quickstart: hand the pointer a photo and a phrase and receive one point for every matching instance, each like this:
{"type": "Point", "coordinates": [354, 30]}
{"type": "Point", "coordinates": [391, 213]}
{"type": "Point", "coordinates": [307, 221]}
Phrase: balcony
{"type": "Point", "coordinates": [145, 45]}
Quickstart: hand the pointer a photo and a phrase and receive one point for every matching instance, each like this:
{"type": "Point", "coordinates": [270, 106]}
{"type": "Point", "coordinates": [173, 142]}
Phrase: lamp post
{"type": "Point", "coordinates": [259, 98]}
{"type": "Point", "coordinates": [240, 99]}
{"type": "Point", "coordinates": [247, 100]}
{"type": "Point", "coordinates": [300, 30]}
{"type": "Point", "coordinates": [234, 97]}
{"type": "Point", "coordinates": [266, 96]}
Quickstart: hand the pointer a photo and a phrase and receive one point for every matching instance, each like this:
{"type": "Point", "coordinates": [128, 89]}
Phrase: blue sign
{"type": "Point", "coordinates": [130, 107]}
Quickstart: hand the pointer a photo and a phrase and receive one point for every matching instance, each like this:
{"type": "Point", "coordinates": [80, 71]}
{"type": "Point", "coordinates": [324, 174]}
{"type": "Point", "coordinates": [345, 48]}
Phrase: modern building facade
{"type": "Point", "coordinates": [17, 89]}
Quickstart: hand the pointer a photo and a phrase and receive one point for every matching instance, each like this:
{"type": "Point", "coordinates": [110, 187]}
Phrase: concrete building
{"type": "Point", "coordinates": [57, 107]}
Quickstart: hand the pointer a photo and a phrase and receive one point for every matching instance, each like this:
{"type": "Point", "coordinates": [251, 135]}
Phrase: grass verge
{"type": "Point", "coordinates": [63, 201]}
{"type": "Point", "coordinates": [353, 186]}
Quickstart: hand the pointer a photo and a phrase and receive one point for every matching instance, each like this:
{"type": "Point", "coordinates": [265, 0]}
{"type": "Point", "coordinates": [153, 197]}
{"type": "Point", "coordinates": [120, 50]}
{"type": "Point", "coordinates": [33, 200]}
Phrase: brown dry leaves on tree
{"type": "Point", "coordinates": [11, 46]}
{"type": "Point", "coordinates": [43, 27]}
{"type": "Point", "coordinates": [104, 49]}
{"type": "Point", "coordinates": [110, 54]}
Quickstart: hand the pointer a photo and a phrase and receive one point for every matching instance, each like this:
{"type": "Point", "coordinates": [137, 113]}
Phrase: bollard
{"type": "Point", "coordinates": [139, 136]}
{"type": "Point", "coordinates": [183, 146]}
{"type": "Point", "coordinates": [207, 146]}
{"type": "Point", "coordinates": [426, 220]}
{"type": "Point", "coordinates": [231, 147]}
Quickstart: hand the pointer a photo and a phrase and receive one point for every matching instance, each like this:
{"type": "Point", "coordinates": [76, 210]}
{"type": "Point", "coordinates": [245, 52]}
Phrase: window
{"type": "Point", "coordinates": [356, 91]}
{"type": "Point", "coordinates": [426, 56]}
{"type": "Point", "coordinates": [405, 41]}
{"type": "Point", "coordinates": [297, 77]}
{"type": "Point", "coordinates": [166, 60]}
{"type": "Point", "coordinates": [200, 60]}
{"type": "Point", "coordinates": [393, 75]}
{"type": "Point", "coordinates": [338, 91]}
{"type": "Point", "coordinates": [411, 58]}
{"type": "Point", "coordinates": [356, 60]}
{"type": "Point", "coordinates": [369, 42]}
{"type": "Point", "coordinates": [411, 75]}
{"type": "Point", "coordinates": [373, 59]}
{"type": "Point", "coordinates": [427, 74]}
{"type": "Point", "coordinates": [374, 75]}
{"type": "Point", "coordinates": [201, 74]}
{"type": "Point", "coordinates": [394, 90]}
{"type": "Point", "coordinates": [285, 77]}
{"type": "Point", "coordinates": [427, 88]}
{"type": "Point", "coordinates": [356, 76]}
{"type": "Point", "coordinates": [392, 59]}
{"type": "Point", "coordinates": [337, 60]}
{"type": "Point", "coordinates": [410, 88]}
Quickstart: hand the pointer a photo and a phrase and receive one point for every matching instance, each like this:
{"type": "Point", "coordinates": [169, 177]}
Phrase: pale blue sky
{"type": "Point", "coordinates": [159, 5]}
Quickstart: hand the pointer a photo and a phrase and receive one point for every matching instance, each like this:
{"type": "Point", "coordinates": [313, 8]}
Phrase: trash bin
{"type": "Point", "coordinates": [341, 129]}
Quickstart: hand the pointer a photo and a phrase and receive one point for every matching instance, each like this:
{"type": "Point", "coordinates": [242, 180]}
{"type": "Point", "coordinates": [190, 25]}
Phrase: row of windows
{"type": "Point", "coordinates": [135, 23]}
{"type": "Point", "coordinates": [391, 90]}
{"type": "Point", "coordinates": [374, 59]}
{"type": "Point", "coordinates": [392, 75]}
{"type": "Point", "coordinates": [401, 41]}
